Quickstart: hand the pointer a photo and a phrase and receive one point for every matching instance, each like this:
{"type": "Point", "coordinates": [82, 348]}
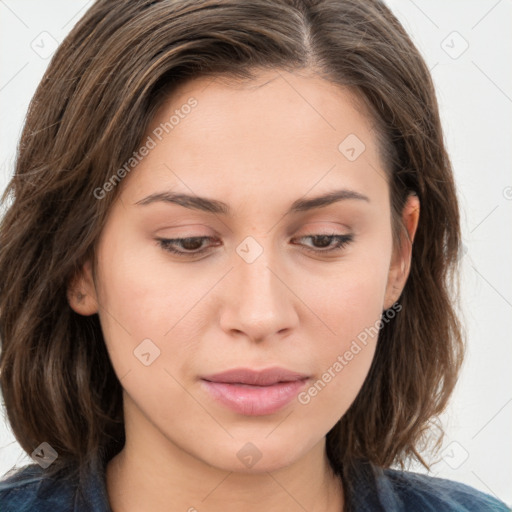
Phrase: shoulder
{"type": "Point", "coordinates": [415, 491]}
{"type": "Point", "coordinates": [28, 489]}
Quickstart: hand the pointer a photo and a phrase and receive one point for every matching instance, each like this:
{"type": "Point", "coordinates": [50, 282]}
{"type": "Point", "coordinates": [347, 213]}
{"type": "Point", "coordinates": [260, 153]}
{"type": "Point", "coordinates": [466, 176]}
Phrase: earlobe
{"type": "Point", "coordinates": [81, 292]}
{"type": "Point", "coordinates": [401, 262]}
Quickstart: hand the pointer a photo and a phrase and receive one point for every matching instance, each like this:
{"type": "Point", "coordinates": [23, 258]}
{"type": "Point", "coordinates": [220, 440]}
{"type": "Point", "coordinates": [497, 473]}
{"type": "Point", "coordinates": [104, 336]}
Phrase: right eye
{"type": "Point", "coordinates": [192, 245]}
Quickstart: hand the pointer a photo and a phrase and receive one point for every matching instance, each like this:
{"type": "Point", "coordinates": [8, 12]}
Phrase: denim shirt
{"type": "Point", "coordinates": [375, 489]}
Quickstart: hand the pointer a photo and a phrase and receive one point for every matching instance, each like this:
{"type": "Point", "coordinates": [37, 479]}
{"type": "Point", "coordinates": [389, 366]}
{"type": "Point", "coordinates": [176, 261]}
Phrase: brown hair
{"type": "Point", "coordinates": [88, 116]}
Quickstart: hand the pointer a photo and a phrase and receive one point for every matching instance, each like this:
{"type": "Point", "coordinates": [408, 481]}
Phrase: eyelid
{"type": "Point", "coordinates": [341, 241]}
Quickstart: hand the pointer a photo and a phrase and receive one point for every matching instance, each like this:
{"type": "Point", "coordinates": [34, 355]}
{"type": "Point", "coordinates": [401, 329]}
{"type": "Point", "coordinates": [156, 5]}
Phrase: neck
{"type": "Point", "coordinates": [150, 473]}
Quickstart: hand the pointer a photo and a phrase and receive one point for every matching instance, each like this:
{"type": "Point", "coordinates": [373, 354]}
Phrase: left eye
{"type": "Point", "coordinates": [194, 245]}
{"type": "Point", "coordinates": [325, 241]}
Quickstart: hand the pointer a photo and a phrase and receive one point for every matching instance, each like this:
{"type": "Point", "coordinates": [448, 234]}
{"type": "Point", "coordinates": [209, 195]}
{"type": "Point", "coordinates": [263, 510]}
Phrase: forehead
{"type": "Point", "coordinates": [281, 131]}
{"type": "Point", "coordinates": [271, 101]}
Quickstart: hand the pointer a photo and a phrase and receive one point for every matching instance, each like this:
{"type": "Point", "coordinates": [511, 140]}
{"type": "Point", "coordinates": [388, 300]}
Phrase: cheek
{"type": "Point", "coordinates": [328, 397]}
{"type": "Point", "coordinates": [137, 289]}
{"type": "Point", "coordinates": [350, 310]}
{"type": "Point", "coordinates": [350, 296]}
{"type": "Point", "coordinates": [130, 298]}
{"type": "Point", "coordinates": [342, 358]}
{"type": "Point", "coordinates": [143, 299]}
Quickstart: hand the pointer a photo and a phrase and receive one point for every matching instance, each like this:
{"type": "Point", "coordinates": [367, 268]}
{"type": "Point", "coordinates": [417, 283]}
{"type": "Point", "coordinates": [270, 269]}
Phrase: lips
{"type": "Point", "coordinates": [252, 392]}
{"type": "Point", "coordinates": [255, 377]}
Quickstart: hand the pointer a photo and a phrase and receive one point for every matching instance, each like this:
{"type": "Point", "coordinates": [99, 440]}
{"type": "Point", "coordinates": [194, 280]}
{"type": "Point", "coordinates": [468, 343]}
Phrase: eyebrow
{"type": "Point", "coordinates": [218, 207]}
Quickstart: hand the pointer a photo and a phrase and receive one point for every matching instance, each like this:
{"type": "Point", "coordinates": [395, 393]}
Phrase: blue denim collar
{"type": "Point", "coordinates": [91, 492]}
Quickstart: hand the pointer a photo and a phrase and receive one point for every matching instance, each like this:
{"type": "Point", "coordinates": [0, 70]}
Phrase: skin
{"type": "Point", "coordinates": [258, 146]}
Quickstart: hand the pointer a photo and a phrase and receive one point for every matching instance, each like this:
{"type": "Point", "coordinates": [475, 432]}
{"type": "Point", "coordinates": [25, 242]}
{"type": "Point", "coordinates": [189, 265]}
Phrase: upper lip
{"type": "Point", "coordinates": [265, 377]}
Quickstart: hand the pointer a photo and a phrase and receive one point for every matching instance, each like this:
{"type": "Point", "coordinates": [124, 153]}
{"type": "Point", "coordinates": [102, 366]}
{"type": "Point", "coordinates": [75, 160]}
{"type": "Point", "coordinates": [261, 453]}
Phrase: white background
{"type": "Point", "coordinates": [475, 95]}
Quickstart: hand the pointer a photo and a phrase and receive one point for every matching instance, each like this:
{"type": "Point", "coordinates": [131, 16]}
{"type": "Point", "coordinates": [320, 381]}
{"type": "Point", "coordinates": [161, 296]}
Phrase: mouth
{"type": "Point", "coordinates": [252, 392]}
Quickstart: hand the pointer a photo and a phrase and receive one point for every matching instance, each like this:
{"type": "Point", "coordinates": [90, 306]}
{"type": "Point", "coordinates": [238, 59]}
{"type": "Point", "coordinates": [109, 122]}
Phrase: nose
{"type": "Point", "coordinates": [259, 303]}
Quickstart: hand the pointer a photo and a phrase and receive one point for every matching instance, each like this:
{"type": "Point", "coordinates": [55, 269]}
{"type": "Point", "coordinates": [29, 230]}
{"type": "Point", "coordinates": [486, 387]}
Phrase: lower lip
{"type": "Point", "coordinates": [254, 400]}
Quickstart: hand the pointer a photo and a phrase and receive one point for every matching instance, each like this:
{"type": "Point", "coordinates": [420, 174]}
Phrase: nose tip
{"type": "Point", "coordinates": [259, 302]}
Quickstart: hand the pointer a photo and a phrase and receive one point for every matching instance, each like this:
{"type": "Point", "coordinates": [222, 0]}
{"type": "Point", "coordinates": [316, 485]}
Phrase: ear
{"type": "Point", "coordinates": [401, 260]}
{"type": "Point", "coordinates": [81, 291]}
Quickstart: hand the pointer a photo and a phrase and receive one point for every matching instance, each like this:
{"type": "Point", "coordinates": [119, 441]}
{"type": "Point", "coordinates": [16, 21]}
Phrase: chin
{"type": "Point", "coordinates": [259, 456]}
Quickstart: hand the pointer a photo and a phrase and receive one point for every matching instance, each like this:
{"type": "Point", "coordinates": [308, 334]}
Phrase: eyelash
{"type": "Point", "coordinates": [168, 244]}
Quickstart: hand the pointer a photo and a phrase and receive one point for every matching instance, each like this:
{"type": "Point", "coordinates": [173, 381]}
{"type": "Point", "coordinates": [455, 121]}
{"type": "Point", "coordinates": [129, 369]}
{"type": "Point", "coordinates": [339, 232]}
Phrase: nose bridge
{"type": "Point", "coordinates": [260, 304]}
{"type": "Point", "coordinates": [258, 284]}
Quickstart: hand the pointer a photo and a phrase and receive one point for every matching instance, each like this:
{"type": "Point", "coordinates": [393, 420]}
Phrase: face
{"type": "Point", "coordinates": [270, 284]}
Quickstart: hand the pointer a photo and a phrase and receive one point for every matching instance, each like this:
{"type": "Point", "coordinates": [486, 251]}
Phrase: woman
{"type": "Point", "coordinates": [228, 265]}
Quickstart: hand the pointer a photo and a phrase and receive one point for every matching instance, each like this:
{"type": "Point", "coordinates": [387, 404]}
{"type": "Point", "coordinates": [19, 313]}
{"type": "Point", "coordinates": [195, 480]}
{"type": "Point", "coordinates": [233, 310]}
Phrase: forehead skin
{"type": "Point", "coordinates": [261, 144]}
